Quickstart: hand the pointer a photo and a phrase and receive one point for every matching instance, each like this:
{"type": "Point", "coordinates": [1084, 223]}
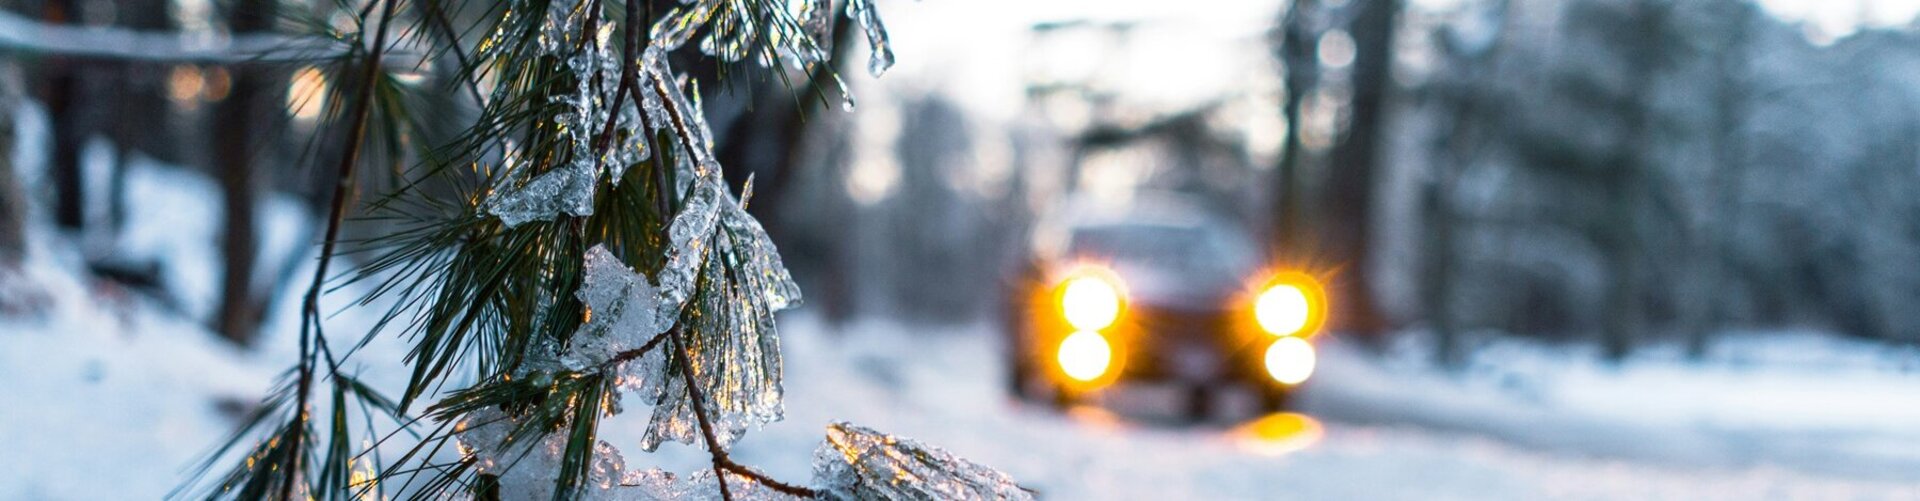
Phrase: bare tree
{"type": "Point", "coordinates": [1298, 32]}
{"type": "Point", "coordinates": [1353, 164]}
{"type": "Point", "coordinates": [239, 146]}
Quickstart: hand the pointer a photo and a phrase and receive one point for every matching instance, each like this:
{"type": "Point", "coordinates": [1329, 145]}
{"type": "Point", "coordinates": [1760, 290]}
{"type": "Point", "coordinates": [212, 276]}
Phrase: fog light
{"type": "Point", "coordinates": [1290, 360]}
{"type": "Point", "coordinates": [1085, 356]}
{"type": "Point", "coordinates": [1090, 302]}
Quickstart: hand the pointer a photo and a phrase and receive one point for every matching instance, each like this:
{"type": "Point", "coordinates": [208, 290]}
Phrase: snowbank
{"type": "Point", "coordinates": [1803, 400]}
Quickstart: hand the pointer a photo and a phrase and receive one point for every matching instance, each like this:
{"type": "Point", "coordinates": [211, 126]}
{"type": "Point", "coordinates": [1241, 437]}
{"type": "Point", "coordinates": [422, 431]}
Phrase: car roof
{"type": "Point", "coordinates": [1055, 230]}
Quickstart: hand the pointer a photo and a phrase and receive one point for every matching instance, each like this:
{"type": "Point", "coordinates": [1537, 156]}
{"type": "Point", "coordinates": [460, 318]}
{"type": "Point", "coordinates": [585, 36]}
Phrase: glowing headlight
{"type": "Point", "coordinates": [1290, 360]}
{"type": "Point", "coordinates": [1090, 302]}
{"type": "Point", "coordinates": [1283, 309]}
{"type": "Point", "coordinates": [1085, 355]}
{"type": "Point", "coordinates": [1291, 304]}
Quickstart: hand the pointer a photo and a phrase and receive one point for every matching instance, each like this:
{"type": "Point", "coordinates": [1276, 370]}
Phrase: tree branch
{"type": "Point", "coordinates": [311, 306]}
{"type": "Point", "coordinates": [695, 400]}
{"type": "Point", "coordinates": [723, 463]}
{"type": "Point", "coordinates": [22, 34]}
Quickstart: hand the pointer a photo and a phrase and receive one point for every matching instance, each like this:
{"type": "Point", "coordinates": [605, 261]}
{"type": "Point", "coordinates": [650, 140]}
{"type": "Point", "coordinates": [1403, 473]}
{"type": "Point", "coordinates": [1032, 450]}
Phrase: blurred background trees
{"type": "Point", "coordinates": [1648, 171]}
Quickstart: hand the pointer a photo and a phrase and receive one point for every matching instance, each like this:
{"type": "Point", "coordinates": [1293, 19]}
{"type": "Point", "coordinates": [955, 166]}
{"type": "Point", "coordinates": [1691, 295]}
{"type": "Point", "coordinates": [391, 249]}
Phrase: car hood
{"type": "Point", "coordinates": [1161, 287]}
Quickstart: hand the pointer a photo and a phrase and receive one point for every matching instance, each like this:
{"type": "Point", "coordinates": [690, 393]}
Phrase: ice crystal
{"type": "Point", "coordinates": [670, 108]}
{"type": "Point", "coordinates": [704, 485]}
{"type": "Point", "coordinates": [531, 470]}
{"type": "Point", "coordinates": [738, 30]}
{"type": "Point", "coordinates": [649, 484]}
{"type": "Point", "coordinates": [568, 189]}
{"type": "Point", "coordinates": [858, 463]}
{"type": "Point", "coordinates": [723, 266]}
{"type": "Point", "coordinates": [526, 469]}
{"type": "Point", "coordinates": [688, 237]}
{"type": "Point", "coordinates": [620, 311]}
{"type": "Point", "coordinates": [882, 57]}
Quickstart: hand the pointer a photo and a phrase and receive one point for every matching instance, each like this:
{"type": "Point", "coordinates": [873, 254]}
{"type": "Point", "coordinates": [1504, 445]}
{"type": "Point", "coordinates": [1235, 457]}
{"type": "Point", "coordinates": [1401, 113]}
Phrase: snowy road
{"type": "Point", "coordinates": [99, 396]}
{"type": "Point", "coordinates": [941, 386]}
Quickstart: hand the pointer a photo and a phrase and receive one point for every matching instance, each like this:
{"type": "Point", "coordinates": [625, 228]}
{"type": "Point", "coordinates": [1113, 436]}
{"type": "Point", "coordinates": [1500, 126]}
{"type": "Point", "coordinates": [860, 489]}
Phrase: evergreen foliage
{"type": "Point", "coordinates": [588, 253]}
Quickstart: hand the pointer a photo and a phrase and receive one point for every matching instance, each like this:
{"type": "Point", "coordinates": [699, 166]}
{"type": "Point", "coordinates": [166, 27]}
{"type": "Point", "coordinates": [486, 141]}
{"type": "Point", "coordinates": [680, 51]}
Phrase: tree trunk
{"type": "Point", "coordinates": [236, 149]}
{"type": "Point", "coordinates": [1730, 113]}
{"type": "Point", "coordinates": [140, 120]}
{"type": "Point", "coordinates": [61, 93]}
{"type": "Point", "coordinates": [1297, 54]}
{"type": "Point", "coordinates": [1353, 165]}
{"type": "Point", "coordinates": [13, 203]}
{"type": "Point", "coordinates": [1622, 317]}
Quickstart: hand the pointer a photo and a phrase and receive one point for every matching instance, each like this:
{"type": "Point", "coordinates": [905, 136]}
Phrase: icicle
{"type": "Point", "coordinates": [735, 358]}
{"type": "Point", "coordinates": [691, 125]}
{"type": "Point", "coordinates": [857, 463]}
{"type": "Point", "coordinates": [733, 30]}
{"type": "Point", "coordinates": [882, 57]}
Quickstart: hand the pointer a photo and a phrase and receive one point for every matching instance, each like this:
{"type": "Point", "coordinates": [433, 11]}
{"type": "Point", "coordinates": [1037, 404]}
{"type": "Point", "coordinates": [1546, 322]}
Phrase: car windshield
{"type": "Point", "coordinates": [1204, 252]}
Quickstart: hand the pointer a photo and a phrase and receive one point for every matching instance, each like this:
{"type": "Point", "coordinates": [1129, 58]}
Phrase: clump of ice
{"type": "Point", "coordinates": [858, 463]}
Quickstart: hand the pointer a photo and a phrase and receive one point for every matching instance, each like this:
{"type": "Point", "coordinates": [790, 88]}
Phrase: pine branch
{"type": "Point", "coordinates": [722, 462]}
{"type": "Point", "coordinates": [629, 355]}
{"type": "Point", "coordinates": [311, 306]}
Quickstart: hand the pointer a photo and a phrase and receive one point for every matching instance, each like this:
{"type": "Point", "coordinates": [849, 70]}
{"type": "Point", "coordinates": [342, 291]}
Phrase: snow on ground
{"type": "Point", "coordinates": [940, 385]}
{"type": "Point", "coordinates": [104, 399]}
{"type": "Point", "coordinates": [107, 395]}
{"type": "Point", "coordinates": [1811, 402]}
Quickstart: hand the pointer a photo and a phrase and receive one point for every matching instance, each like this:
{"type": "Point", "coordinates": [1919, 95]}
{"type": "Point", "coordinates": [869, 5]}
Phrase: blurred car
{"type": "Point", "coordinates": [1160, 291]}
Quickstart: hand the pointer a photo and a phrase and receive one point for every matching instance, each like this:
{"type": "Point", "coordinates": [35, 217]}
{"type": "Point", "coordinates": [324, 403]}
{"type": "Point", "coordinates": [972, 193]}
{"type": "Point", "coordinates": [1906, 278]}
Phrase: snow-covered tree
{"type": "Point", "coordinates": [573, 252]}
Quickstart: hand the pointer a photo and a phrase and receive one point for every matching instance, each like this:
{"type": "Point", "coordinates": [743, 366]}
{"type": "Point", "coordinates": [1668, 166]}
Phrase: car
{"type": "Point", "coordinates": [1158, 291]}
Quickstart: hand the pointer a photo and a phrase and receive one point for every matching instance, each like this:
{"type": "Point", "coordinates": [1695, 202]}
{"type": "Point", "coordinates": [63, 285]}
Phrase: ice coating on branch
{"type": "Point", "coordinates": [761, 270]}
{"type": "Point", "coordinates": [620, 311]}
{"type": "Point", "coordinates": [733, 346]}
{"type": "Point", "coordinates": [530, 470]}
{"type": "Point", "coordinates": [857, 463]}
{"type": "Point", "coordinates": [595, 68]}
{"type": "Point", "coordinates": [673, 111]}
{"type": "Point", "coordinates": [704, 485]}
{"type": "Point", "coordinates": [734, 29]}
{"type": "Point", "coordinates": [882, 57]}
{"type": "Point", "coordinates": [566, 189]}
{"type": "Point", "coordinates": [732, 353]}
{"type": "Point", "coordinates": [688, 237]}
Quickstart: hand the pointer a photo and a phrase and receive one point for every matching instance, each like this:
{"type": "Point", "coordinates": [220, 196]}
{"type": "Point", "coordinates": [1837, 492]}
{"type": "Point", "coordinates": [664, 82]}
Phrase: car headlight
{"type": "Point", "coordinates": [1290, 360]}
{"type": "Point", "coordinates": [1090, 301]}
{"type": "Point", "coordinates": [1291, 305]}
{"type": "Point", "coordinates": [1085, 355]}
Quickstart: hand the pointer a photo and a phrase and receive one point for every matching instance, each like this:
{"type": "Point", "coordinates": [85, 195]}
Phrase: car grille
{"type": "Point", "coordinates": [1182, 344]}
